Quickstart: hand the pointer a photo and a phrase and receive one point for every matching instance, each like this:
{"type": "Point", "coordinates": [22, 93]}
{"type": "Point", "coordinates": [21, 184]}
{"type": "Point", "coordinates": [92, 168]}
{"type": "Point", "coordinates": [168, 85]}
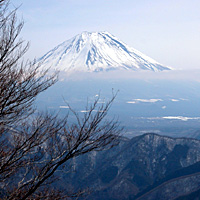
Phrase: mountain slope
{"type": "Point", "coordinates": [97, 51]}
{"type": "Point", "coordinates": [164, 163]}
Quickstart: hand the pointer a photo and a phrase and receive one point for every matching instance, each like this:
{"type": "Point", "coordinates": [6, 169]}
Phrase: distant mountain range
{"type": "Point", "coordinates": [146, 167]}
{"type": "Point", "coordinates": [97, 51]}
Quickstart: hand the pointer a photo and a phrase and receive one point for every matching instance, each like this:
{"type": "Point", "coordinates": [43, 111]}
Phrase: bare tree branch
{"type": "Point", "coordinates": [34, 146]}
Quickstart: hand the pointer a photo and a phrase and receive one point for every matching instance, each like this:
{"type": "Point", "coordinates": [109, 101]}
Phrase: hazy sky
{"type": "Point", "coordinates": [168, 31]}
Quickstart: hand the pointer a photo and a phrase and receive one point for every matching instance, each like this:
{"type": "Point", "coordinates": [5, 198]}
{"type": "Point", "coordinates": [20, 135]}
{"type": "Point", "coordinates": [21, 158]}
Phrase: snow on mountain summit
{"type": "Point", "coordinates": [97, 51]}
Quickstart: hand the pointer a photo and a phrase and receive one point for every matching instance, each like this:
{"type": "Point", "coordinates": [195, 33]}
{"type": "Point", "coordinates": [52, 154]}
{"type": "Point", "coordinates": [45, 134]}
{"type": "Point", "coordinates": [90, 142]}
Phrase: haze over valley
{"type": "Point", "coordinates": [151, 96]}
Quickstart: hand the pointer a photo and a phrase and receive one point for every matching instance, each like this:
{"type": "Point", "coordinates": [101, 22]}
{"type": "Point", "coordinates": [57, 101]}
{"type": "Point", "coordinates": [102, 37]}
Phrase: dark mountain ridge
{"type": "Point", "coordinates": [143, 167]}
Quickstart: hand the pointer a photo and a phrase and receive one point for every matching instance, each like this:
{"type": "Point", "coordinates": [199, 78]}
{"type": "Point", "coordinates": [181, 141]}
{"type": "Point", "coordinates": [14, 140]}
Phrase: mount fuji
{"type": "Point", "coordinates": [97, 51]}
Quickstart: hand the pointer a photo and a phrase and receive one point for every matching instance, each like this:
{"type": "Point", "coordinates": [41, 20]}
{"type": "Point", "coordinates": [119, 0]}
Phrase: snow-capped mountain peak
{"type": "Point", "coordinates": [97, 51]}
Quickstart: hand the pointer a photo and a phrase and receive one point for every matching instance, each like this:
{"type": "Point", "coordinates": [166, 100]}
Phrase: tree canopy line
{"type": "Point", "coordinates": [34, 145]}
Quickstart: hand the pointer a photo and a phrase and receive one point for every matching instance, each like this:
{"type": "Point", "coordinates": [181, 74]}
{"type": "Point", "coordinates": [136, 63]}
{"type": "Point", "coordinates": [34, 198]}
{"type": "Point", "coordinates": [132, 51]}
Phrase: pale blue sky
{"type": "Point", "coordinates": [168, 31]}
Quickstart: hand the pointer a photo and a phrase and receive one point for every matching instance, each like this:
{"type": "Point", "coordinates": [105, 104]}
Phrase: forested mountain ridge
{"type": "Point", "coordinates": [143, 167]}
